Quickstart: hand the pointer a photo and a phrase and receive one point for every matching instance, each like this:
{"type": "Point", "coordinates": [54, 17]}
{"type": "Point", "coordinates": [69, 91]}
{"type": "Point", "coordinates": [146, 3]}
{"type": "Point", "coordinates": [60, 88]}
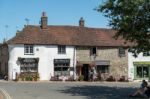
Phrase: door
{"type": "Point", "coordinates": [85, 72]}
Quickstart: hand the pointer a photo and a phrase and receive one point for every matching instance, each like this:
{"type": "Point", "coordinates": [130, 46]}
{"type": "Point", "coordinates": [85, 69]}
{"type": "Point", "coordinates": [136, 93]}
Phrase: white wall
{"type": "Point", "coordinates": [46, 55]}
{"type": "Point", "coordinates": [132, 59]}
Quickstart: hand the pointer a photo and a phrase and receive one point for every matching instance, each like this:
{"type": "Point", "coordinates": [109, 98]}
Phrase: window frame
{"type": "Point", "coordinates": [61, 49]}
{"type": "Point", "coordinates": [28, 67]}
{"type": "Point", "coordinates": [93, 51]}
{"type": "Point", "coordinates": [62, 65]}
{"type": "Point", "coordinates": [142, 66]}
{"type": "Point", "coordinates": [121, 52]}
{"type": "Point", "coordinates": [28, 49]}
{"type": "Point", "coordinates": [103, 69]}
{"type": "Point", "coordinates": [146, 54]}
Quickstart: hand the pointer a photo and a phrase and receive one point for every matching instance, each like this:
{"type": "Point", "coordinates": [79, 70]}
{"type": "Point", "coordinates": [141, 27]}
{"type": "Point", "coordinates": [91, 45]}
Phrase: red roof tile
{"type": "Point", "coordinates": [67, 35]}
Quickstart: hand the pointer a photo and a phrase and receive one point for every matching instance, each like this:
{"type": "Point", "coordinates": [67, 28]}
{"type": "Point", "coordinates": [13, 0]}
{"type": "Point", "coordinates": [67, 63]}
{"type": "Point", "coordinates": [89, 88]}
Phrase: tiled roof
{"type": "Point", "coordinates": [67, 35]}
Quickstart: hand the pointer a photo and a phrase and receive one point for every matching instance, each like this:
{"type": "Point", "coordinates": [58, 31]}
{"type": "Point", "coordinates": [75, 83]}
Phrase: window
{"type": "Point", "coordinates": [121, 52]}
{"type": "Point", "coordinates": [61, 67]}
{"type": "Point", "coordinates": [103, 68]}
{"type": "Point", "coordinates": [93, 51]}
{"type": "Point", "coordinates": [142, 71]}
{"type": "Point", "coordinates": [28, 49]}
{"type": "Point", "coordinates": [29, 64]}
{"type": "Point", "coordinates": [61, 49]}
{"type": "Point", "coordinates": [146, 54]}
{"type": "Point", "coordinates": [29, 67]}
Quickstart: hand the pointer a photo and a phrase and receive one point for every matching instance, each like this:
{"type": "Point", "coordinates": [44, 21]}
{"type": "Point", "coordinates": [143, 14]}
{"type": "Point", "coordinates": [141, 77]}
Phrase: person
{"type": "Point", "coordinates": [91, 74]}
{"type": "Point", "coordinates": [142, 91]}
{"type": "Point", "coordinates": [5, 77]}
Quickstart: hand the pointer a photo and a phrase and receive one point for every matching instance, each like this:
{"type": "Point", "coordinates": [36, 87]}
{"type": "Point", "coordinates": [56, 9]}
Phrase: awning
{"type": "Point", "coordinates": [102, 62]}
{"type": "Point", "coordinates": [142, 63]}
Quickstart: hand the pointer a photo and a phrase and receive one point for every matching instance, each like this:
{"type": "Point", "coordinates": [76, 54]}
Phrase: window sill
{"type": "Point", "coordinates": [28, 53]}
{"type": "Point", "coordinates": [61, 53]}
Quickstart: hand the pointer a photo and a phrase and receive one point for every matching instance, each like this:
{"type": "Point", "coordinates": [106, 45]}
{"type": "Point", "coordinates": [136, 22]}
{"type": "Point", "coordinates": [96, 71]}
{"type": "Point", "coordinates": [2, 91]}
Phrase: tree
{"type": "Point", "coordinates": [131, 20]}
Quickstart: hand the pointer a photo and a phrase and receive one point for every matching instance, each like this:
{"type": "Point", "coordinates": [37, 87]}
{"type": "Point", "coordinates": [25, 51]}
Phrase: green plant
{"type": "Point", "coordinates": [81, 78]}
{"type": "Point", "coordinates": [36, 77]}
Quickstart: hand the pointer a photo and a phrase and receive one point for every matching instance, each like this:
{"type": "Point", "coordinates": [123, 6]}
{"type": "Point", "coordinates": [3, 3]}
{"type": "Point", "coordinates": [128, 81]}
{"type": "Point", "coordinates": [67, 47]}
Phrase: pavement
{"type": "Point", "coordinates": [1, 96]}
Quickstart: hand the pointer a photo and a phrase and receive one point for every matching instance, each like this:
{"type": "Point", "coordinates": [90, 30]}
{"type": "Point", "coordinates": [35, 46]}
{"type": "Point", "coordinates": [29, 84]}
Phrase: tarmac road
{"type": "Point", "coordinates": [68, 90]}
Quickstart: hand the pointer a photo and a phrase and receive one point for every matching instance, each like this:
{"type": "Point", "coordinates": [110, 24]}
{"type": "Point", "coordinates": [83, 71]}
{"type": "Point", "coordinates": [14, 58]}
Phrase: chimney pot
{"type": "Point", "coordinates": [43, 14]}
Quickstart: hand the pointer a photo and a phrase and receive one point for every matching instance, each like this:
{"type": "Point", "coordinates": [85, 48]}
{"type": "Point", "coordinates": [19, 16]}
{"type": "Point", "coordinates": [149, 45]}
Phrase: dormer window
{"type": "Point", "coordinates": [28, 49]}
{"type": "Point", "coordinates": [61, 49]}
{"type": "Point", "coordinates": [93, 51]}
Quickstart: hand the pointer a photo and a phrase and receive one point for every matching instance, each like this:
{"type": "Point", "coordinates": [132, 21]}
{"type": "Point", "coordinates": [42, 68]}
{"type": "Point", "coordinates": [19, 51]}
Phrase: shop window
{"type": "Point", "coordinates": [61, 67]}
{"type": "Point", "coordinates": [142, 71]}
{"type": "Point", "coordinates": [29, 64]}
{"type": "Point", "coordinates": [121, 52]}
{"type": "Point", "coordinates": [28, 49]}
{"type": "Point", "coordinates": [29, 67]}
{"type": "Point", "coordinates": [146, 54]}
{"type": "Point", "coordinates": [61, 49]}
{"type": "Point", "coordinates": [103, 68]}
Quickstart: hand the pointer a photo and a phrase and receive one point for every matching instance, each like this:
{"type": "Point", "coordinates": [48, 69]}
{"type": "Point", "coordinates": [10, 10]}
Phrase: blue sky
{"type": "Point", "coordinates": [60, 12]}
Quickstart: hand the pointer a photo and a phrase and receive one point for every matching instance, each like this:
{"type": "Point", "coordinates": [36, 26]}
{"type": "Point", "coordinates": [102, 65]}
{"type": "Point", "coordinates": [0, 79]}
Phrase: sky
{"type": "Point", "coordinates": [13, 14]}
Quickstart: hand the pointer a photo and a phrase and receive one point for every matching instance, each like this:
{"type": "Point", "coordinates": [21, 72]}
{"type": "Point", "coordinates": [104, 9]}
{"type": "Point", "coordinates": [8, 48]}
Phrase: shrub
{"type": "Point", "coordinates": [122, 79]}
{"type": "Point", "coordinates": [110, 78]}
{"type": "Point", "coordinates": [81, 78]}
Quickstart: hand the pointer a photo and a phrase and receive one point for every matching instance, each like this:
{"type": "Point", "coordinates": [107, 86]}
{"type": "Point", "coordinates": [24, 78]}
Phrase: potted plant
{"type": "Point", "coordinates": [37, 77]}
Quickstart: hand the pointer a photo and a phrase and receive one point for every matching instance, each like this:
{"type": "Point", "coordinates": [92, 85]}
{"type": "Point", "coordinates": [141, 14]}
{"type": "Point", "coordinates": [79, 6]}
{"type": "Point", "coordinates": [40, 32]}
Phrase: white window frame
{"type": "Point", "coordinates": [61, 49]}
{"type": "Point", "coordinates": [28, 49]}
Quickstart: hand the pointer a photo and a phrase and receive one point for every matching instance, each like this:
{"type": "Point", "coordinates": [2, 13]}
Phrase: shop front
{"type": "Point", "coordinates": [28, 65]}
{"type": "Point", "coordinates": [141, 70]}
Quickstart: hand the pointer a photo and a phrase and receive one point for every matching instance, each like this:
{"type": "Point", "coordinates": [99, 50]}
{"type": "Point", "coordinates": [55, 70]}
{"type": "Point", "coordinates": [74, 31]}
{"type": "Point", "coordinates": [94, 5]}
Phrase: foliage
{"type": "Point", "coordinates": [110, 78]}
{"type": "Point", "coordinates": [131, 20]}
{"type": "Point", "coordinates": [28, 77]}
{"type": "Point", "coordinates": [81, 78]}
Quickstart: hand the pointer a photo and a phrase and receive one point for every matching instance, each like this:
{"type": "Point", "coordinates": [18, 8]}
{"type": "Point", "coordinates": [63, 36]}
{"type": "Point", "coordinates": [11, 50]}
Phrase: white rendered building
{"type": "Point", "coordinates": [34, 50]}
{"type": "Point", "coordinates": [139, 67]}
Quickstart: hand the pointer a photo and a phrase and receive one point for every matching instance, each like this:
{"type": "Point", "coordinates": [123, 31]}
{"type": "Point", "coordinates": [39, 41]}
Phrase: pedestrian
{"type": "Point", "coordinates": [142, 91]}
{"type": "Point", "coordinates": [91, 74]}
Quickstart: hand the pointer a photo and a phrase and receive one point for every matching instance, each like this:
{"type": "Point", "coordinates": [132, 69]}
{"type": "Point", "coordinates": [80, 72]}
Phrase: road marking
{"type": "Point", "coordinates": [5, 94]}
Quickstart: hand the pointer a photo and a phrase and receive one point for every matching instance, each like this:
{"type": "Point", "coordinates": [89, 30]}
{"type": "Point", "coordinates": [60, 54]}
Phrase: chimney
{"type": "Point", "coordinates": [44, 21]}
{"type": "Point", "coordinates": [81, 22]}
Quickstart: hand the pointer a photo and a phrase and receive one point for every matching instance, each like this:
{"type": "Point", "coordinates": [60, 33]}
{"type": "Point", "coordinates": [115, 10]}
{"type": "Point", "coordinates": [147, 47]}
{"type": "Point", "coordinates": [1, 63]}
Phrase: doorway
{"type": "Point", "coordinates": [85, 72]}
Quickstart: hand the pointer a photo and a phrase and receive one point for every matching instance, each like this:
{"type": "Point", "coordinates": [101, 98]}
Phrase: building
{"type": "Point", "coordinates": [139, 67]}
{"type": "Point", "coordinates": [66, 51]}
{"type": "Point", "coordinates": [99, 50]}
{"type": "Point", "coordinates": [3, 59]}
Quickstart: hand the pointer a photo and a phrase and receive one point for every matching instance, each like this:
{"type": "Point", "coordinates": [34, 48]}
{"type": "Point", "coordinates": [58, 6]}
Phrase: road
{"type": "Point", "coordinates": [68, 90]}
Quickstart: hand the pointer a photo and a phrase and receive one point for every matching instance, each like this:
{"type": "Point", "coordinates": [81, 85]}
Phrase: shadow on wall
{"type": "Point", "coordinates": [99, 92]}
